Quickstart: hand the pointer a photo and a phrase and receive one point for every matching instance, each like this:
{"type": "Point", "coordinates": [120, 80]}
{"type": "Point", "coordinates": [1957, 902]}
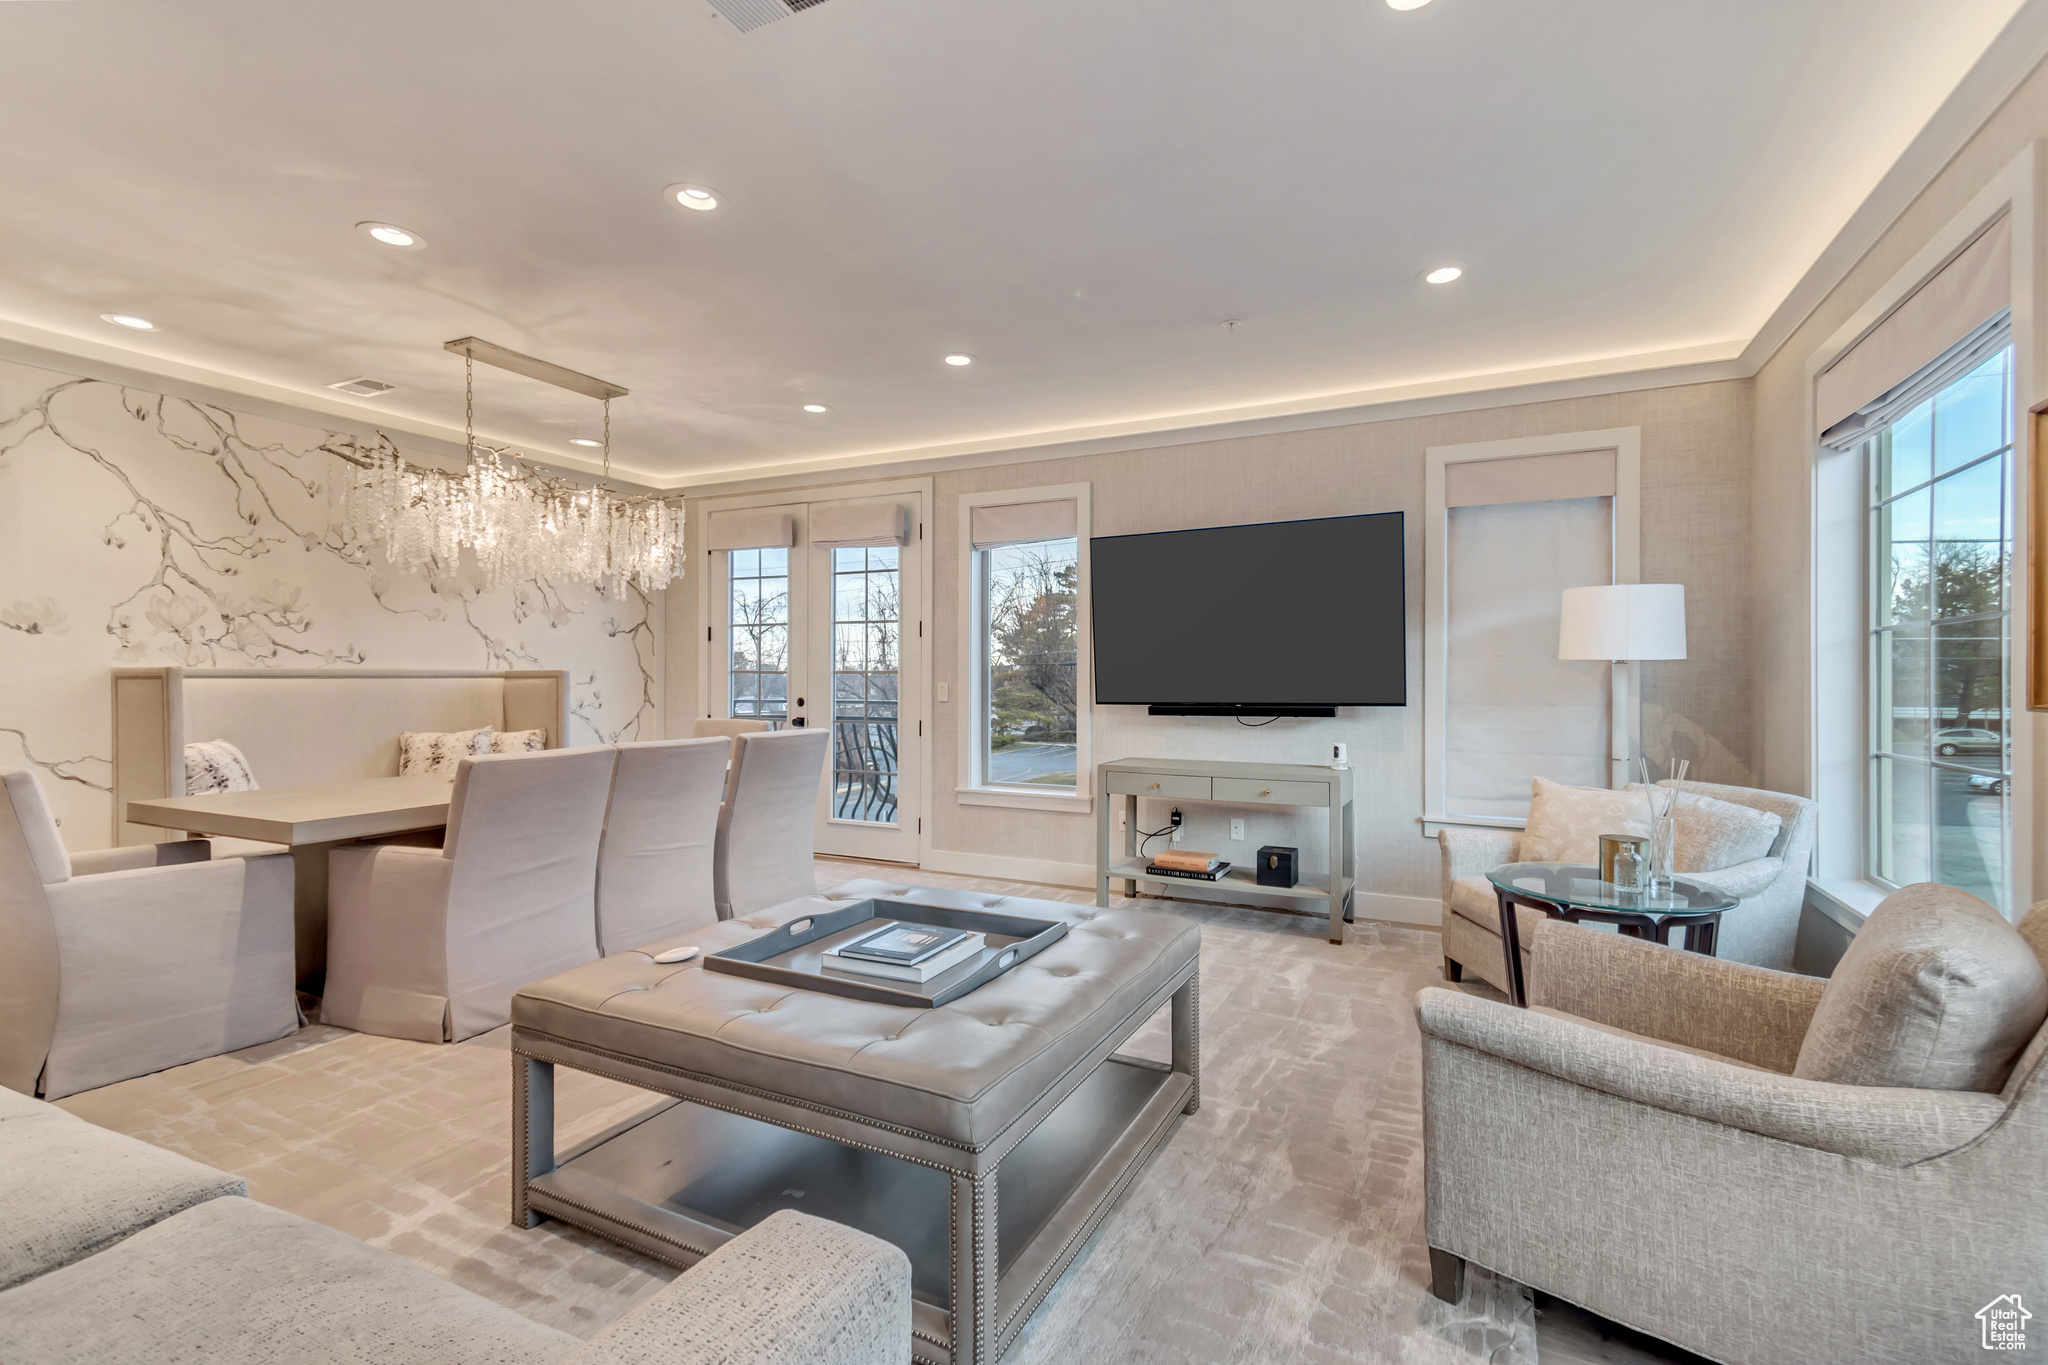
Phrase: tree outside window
{"type": "Point", "coordinates": [1031, 620]}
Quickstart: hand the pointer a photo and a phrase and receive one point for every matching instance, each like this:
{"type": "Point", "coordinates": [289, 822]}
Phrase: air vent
{"type": "Point", "coordinates": [364, 388]}
{"type": "Point", "coordinates": [748, 15]}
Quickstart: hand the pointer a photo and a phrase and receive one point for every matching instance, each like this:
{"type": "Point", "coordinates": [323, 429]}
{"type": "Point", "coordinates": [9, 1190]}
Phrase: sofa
{"type": "Point", "coordinates": [114, 1250]}
{"type": "Point", "coordinates": [1761, 931]}
{"type": "Point", "coordinates": [1754, 1165]}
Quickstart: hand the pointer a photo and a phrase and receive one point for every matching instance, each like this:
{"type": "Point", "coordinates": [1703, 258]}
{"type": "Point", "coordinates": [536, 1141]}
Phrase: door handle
{"type": "Point", "coordinates": [796, 722]}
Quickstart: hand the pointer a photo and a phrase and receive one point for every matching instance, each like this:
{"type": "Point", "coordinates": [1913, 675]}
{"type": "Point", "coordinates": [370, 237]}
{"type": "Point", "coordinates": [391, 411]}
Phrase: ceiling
{"type": "Point", "coordinates": [1083, 195]}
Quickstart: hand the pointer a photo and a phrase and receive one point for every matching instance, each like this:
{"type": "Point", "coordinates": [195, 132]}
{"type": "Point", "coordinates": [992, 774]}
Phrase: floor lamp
{"type": "Point", "coordinates": [1622, 623]}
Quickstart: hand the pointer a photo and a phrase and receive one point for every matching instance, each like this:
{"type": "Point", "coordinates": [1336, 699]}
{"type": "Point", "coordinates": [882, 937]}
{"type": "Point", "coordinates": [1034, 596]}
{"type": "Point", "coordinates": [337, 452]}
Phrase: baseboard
{"type": "Point", "coordinates": [1424, 910]}
{"type": "Point", "coordinates": [1041, 870]}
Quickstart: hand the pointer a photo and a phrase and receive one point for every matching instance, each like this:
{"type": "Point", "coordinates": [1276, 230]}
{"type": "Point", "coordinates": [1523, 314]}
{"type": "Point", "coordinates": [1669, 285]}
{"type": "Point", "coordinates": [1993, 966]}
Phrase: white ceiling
{"type": "Point", "coordinates": [1078, 192]}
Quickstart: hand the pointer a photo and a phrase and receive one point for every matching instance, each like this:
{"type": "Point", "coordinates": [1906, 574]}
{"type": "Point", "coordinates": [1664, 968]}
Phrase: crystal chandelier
{"type": "Point", "coordinates": [516, 521]}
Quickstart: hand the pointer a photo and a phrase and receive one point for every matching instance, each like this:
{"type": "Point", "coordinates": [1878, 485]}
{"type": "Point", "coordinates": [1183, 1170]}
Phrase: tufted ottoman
{"type": "Point", "coordinates": [987, 1138]}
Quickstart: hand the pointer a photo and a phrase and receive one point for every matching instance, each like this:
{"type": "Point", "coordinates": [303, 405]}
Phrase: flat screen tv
{"type": "Point", "coordinates": [1283, 618]}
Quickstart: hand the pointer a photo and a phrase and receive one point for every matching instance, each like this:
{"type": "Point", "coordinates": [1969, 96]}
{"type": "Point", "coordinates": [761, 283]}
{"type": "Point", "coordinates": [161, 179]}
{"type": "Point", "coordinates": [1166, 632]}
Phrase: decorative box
{"type": "Point", "coordinates": [1278, 866]}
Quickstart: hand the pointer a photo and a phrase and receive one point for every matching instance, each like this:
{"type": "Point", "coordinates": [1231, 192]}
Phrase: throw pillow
{"type": "Point", "coordinates": [1565, 823]}
{"type": "Point", "coordinates": [214, 765]}
{"type": "Point", "coordinates": [519, 741]}
{"type": "Point", "coordinates": [1938, 992]}
{"type": "Point", "coordinates": [1713, 834]}
{"type": "Point", "coordinates": [439, 752]}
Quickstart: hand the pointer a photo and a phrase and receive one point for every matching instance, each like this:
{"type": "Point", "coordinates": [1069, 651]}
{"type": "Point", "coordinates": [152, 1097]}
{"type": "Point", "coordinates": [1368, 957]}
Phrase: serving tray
{"type": "Point", "coordinates": [794, 955]}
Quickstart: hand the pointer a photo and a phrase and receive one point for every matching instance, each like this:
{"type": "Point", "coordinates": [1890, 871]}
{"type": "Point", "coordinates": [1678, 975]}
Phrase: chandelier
{"type": "Point", "coordinates": [515, 520]}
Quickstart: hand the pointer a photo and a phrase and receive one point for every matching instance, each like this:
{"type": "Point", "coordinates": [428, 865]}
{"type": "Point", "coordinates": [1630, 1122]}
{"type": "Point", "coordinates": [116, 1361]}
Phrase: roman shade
{"type": "Point", "coordinates": [750, 529]}
{"type": "Point", "coordinates": [1889, 365]}
{"type": "Point", "coordinates": [1019, 523]}
{"type": "Point", "coordinates": [1530, 478]}
{"type": "Point", "coordinates": [873, 523]}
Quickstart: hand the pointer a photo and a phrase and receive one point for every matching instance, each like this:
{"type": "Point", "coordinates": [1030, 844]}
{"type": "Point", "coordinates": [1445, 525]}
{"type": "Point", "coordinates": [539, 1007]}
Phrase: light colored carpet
{"type": "Point", "coordinates": [1281, 1223]}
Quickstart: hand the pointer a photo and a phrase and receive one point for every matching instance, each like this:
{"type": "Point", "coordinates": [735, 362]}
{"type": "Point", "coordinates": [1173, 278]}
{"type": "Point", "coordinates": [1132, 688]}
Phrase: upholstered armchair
{"type": "Point", "coordinates": [1750, 1164]}
{"type": "Point", "coordinates": [125, 961]}
{"type": "Point", "coordinates": [1760, 931]}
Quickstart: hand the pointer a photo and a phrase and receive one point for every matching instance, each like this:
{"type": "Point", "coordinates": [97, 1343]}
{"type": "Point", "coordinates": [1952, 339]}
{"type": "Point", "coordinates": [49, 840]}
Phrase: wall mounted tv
{"type": "Point", "coordinates": [1283, 618]}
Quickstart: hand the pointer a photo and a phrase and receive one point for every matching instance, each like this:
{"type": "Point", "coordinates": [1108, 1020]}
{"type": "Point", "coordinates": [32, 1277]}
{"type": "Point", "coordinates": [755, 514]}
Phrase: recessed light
{"type": "Point", "coordinates": [692, 197]}
{"type": "Point", "coordinates": [584, 441]}
{"type": "Point", "coordinates": [129, 320]}
{"type": "Point", "coordinates": [959, 358]}
{"type": "Point", "coordinates": [816, 407]}
{"type": "Point", "coordinates": [390, 234]}
{"type": "Point", "coordinates": [1443, 274]}
{"type": "Point", "coordinates": [1406, 4]}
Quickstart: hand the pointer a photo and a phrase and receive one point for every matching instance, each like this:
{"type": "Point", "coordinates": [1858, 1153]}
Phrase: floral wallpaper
{"type": "Point", "coordinates": [141, 529]}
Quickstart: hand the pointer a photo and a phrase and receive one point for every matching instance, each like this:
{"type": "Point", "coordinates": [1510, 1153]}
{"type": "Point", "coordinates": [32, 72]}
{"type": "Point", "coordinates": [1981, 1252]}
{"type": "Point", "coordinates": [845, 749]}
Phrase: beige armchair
{"type": "Point", "coordinates": [1760, 931]}
{"type": "Point", "coordinates": [1636, 1142]}
{"type": "Point", "coordinates": [767, 828]}
{"type": "Point", "coordinates": [126, 961]}
{"type": "Point", "coordinates": [431, 943]}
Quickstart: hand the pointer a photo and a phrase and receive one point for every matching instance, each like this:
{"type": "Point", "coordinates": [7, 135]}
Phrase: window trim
{"type": "Point", "coordinates": [1835, 764]}
{"type": "Point", "coordinates": [971, 788]}
{"type": "Point", "coordinates": [1627, 445]}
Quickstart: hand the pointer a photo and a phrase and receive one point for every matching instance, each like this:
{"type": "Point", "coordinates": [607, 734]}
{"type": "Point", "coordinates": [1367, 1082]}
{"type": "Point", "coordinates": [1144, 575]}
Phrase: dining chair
{"type": "Point", "coordinates": [431, 943]}
{"type": "Point", "coordinates": [660, 832]}
{"type": "Point", "coordinates": [707, 727]}
{"type": "Point", "coordinates": [124, 961]}
{"type": "Point", "coordinates": [767, 827]}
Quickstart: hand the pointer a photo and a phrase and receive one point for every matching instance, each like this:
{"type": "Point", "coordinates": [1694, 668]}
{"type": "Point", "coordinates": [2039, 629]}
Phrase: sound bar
{"type": "Point", "coordinates": [1177, 709]}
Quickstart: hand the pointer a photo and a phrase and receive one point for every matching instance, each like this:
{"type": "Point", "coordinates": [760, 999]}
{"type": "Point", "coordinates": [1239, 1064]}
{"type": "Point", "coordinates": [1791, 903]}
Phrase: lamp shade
{"type": "Point", "coordinates": [1623, 621]}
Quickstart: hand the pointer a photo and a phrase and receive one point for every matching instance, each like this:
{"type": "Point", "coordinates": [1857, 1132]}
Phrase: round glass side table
{"type": "Point", "coordinates": [1574, 891]}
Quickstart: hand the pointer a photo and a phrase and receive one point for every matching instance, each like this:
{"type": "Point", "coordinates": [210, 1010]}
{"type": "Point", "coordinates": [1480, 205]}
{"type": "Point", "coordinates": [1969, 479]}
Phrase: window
{"type": "Point", "coordinates": [1940, 639]}
{"type": "Point", "coordinates": [759, 662]}
{"type": "Point", "coordinates": [865, 631]}
{"type": "Point", "coordinates": [1029, 637]}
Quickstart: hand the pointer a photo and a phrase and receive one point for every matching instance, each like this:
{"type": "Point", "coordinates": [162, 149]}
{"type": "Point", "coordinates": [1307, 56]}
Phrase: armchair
{"type": "Point", "coordinates": [1760, 931]}
{"type": "Point", "coordinates": [126, 961]}
{"type": "Point", "coordinates": [1635, 1142]}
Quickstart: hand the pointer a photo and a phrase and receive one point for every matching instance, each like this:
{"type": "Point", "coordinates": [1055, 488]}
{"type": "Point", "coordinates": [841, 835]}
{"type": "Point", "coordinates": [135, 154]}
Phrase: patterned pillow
{"type": "Point", "coordinates": [439, 752]}
{"type": "Point", "coordinates": [519, 741]}
{"type": "Point", "coordinates": [214, 765]}
{"type": "Point", "coordinates": [1565, 823]}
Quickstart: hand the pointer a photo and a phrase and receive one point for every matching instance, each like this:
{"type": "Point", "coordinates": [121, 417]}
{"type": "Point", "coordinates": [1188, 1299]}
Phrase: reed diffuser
{"type": "Point", "coordinates": [1663, 804]}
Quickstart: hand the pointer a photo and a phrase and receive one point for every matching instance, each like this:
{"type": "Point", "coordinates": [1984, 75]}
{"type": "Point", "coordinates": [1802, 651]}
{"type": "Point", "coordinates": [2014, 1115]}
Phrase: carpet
{"type": "Point", "coordinates": [1281, 1223]}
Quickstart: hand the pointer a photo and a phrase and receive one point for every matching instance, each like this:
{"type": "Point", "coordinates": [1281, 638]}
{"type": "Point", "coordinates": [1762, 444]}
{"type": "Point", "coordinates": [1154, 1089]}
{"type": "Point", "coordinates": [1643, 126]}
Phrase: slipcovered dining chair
{"type": "Point", "coordinates": [727, 729]}
{"type": "Point", "coordinates": [660, 833]}
{"type": "Point", "coordinates": [125, 961]}
{"type": "Point", "coordinates": [767, 827]}
{"type": "Point", "coordinates": [431, 943]}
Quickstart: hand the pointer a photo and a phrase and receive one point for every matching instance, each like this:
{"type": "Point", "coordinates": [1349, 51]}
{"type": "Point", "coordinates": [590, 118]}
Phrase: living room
{"type": "Point", "coordinates": [1398, 582]}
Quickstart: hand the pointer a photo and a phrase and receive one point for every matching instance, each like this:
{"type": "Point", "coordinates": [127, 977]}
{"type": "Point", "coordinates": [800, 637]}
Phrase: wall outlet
{"type": "Point", "coordinates": [1174, 815]}
{"type": "Point", "coordinates": [944, 690]}
{"type": "Point", "coordinates": [1237, 830]}
{"type": "Point", "coordinates": [1121, 812]}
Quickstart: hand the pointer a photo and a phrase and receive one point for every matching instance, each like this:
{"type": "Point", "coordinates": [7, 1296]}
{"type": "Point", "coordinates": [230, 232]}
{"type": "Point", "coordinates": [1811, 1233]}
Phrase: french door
{"type": "Point", "coordinates": [831, 636]}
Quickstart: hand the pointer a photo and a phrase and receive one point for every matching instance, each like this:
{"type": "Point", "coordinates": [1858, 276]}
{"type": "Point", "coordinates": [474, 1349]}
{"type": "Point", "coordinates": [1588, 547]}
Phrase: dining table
{"type": "Point", "coordinates": [309, 820]}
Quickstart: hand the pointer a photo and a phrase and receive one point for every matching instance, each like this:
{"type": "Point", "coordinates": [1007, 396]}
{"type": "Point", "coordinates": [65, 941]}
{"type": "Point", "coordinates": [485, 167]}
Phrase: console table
{"type": "Point", "coordinates": [1236, 784]}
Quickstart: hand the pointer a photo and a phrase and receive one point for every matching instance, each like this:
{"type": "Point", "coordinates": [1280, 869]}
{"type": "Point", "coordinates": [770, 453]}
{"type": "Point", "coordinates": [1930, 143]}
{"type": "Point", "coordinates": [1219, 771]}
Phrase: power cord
{"type": "Point", "coordinates": [1148, 837]}
{"type": "Point", "coordinates": [1254, 725]}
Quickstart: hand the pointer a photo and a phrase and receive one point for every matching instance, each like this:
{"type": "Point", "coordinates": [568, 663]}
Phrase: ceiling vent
{"type": "Point", "coordinates": [363, 387]}
{"type": "Point", "coordinates": [748, 15]}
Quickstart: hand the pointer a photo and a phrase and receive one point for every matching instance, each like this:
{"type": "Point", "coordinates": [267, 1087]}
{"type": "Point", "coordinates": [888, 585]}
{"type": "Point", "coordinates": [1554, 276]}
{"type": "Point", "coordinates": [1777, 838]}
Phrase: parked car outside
{"type": "Point", "coordinates": [1968, 740]}
{"type": "Point", "coordinates": [1987, 782]}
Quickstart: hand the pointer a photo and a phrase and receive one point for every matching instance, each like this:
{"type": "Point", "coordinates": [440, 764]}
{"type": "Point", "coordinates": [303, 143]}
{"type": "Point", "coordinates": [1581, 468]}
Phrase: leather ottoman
{"type": "Point", "coordinates": [988, 1137]}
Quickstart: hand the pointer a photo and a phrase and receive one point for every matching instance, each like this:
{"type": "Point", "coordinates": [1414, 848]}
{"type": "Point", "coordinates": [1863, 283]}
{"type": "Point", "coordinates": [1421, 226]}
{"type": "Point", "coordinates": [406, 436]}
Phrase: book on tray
{"type": "Point", "coordinates": [1188, 859]}
{"type": "Point", "coordinates": [1188, 873]}
{"type": "Point", "coordinates": [905, 952]}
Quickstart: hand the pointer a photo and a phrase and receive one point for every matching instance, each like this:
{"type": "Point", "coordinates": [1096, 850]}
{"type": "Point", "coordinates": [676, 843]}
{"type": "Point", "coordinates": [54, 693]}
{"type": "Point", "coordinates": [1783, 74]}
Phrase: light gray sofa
{"type": "Point", "coordinates": [114, 1250]}
{"type": "Point", "coordinates": [1637, 1142]}
{"type": "Point", "coordinates": [1761, 931]}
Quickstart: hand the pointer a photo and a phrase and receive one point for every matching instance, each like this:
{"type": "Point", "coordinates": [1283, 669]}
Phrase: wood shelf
{"type": "Point", "coordinates": [1241, 880]}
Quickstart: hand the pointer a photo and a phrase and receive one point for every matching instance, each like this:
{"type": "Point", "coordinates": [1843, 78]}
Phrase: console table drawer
{"type": "Point", "coordinates": [1159, 784]}
{"type": "Point", "coordinates": [1255, 792]}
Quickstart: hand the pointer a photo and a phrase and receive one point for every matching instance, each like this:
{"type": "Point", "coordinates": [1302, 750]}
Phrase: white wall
{"type": "Point", "coordinates": [140, 529]}
{"type": "Point", "coordinates": [1696, 505]}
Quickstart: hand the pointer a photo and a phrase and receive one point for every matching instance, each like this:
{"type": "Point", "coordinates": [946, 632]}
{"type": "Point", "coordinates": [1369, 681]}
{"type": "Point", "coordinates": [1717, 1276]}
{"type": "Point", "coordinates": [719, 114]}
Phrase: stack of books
{"type": "Point", "coordinates": [905, 952]}
{"type": "Point", "coordinates": [1186, 863]}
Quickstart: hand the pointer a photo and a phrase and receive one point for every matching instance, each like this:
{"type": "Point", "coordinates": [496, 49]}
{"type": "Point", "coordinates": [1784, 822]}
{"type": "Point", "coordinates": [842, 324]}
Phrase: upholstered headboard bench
{"type": "Point", "coordinates": [300, 725]}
